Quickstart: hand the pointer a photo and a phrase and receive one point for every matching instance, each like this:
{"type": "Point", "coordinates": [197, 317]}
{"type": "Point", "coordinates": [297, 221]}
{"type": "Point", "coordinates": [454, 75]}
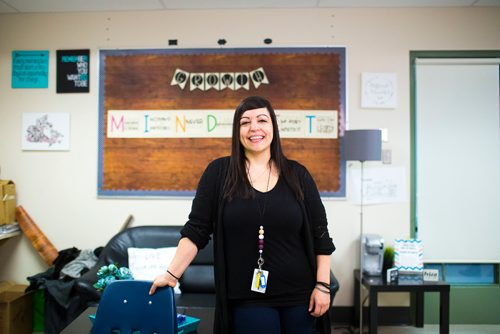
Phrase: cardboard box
{"type": "Point", "coordinates": [7, 202]}
{"type": "Point", "coordinates": [16, 310]}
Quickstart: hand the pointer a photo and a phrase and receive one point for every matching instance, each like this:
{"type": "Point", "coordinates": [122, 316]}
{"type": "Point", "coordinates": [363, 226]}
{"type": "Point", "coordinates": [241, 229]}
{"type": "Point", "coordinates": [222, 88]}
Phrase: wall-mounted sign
{"type": "Point", "coordinates": [30, 69]}
{"type": "Point", "coordinates": [379, 90]}
{"type": "Point", "coordinates": [45, 131]}
{"type": "Point", "coordinates": [73, 71]}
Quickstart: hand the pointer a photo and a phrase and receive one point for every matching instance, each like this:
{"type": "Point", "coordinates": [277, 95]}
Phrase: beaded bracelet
{"type": "Point", "coordinates": [168, 271]}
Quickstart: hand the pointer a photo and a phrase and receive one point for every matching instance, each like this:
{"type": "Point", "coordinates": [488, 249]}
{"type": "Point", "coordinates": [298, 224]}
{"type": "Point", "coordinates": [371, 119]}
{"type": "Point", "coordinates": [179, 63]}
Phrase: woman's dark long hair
{"type": "Point", "coordinates": [237, 183]}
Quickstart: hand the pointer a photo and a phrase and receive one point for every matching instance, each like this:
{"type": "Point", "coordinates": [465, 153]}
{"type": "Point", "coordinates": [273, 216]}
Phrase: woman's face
{"type": "Point", "coordinates": [256, 130]}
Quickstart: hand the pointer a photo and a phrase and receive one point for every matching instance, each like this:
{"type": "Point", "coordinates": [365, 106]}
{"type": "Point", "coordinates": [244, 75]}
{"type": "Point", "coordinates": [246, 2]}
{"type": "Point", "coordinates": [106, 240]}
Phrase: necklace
{"type": "Point", "coordinates": [262, 211]}
{"type": "Point", "coordinates": [259, 282]}
{"type": "Point", "coordinates": [269, 169]}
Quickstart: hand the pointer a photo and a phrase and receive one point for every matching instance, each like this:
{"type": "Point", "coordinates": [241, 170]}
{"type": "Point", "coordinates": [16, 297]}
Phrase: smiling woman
{"type": "Point", "coordinates": [267, 219]}
{"type": "Point", "coordinates": [256, 132]}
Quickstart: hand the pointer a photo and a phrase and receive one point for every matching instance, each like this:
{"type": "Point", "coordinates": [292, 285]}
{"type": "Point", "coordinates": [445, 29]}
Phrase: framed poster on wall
{"type": "Point", "coordinates": [164, 114]}
{"type": "Point", "coordinates": [73, 71]}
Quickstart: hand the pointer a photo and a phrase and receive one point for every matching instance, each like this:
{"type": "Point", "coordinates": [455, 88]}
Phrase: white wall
{"type": "Point", "coordinates": [58, 189]}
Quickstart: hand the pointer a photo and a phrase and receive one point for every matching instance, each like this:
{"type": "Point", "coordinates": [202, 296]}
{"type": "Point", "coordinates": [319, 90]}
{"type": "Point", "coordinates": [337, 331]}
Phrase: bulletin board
{"type": "Point", "coordinates": [164, 114]}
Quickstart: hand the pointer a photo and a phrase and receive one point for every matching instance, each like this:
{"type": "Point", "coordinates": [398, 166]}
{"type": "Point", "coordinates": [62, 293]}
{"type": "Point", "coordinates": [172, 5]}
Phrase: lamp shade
{"type": "Point", "coordinates": [363, 145]}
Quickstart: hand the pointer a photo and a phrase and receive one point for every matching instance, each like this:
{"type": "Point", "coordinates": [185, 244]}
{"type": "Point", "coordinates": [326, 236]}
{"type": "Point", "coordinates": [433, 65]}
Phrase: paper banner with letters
{"type": "Point", "coordinates": [214, 123]}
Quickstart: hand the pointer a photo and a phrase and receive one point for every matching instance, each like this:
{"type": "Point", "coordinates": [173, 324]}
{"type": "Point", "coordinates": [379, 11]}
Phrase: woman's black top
{"type": "Point", "coordinates": [206, 221]}
{"type": "Point", "coordinates": [290, 277]}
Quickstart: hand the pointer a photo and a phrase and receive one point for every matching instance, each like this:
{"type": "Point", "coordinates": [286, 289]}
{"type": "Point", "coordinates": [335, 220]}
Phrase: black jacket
{"type": "Point", "coordinates": [205, 219]}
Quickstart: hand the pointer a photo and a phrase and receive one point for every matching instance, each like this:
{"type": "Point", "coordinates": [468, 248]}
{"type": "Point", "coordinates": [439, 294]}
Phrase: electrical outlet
{"type": "Point", "coordinates": [387, 156]}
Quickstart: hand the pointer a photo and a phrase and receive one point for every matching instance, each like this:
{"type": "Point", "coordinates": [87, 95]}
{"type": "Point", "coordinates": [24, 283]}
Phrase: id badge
{"type": "Point", "coordinates": [259, 281]}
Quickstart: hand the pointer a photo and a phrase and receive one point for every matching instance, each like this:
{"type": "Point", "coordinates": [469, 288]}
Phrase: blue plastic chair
{"type": "Point", "coordinates": [127, 308]}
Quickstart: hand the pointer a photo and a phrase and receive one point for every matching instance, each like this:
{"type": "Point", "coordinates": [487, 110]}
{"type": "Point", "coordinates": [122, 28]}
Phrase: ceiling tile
{"type": "Point", "coordinates": [34, 6]}
{"type": "Point", "coordinates": [395, 3]}
{"type": "Point", "coordinates": [238, 4]}
{"type": "Point", "coordinates": [480, 3]}
{"type": "Point", "coordinates": [27, 6]}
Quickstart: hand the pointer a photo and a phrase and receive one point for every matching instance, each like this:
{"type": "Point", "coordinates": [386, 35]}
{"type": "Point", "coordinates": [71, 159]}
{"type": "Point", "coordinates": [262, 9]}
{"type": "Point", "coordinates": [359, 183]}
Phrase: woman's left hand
{"type": "Point", "coordinates": [319, 303]}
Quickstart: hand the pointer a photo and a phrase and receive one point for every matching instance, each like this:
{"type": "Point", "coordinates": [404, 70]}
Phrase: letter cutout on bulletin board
{"type": "Point", "coordinates": [164, 114]}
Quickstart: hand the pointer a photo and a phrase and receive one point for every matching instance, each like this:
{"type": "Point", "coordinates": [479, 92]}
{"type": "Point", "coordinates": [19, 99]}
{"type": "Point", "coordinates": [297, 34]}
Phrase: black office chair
{"type": "Point", "coordinates": [334, 286]}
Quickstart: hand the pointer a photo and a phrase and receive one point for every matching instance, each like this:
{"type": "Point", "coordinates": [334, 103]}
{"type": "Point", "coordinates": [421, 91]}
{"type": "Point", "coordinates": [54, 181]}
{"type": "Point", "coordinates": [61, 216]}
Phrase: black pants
{"type": "Point", "coordinates": [273, 320]}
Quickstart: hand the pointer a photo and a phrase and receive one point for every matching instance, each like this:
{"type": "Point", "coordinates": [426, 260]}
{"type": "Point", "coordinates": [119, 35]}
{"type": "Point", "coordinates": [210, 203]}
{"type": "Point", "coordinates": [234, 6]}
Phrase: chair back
{"type": "Point", "coordinates": [127, 307]}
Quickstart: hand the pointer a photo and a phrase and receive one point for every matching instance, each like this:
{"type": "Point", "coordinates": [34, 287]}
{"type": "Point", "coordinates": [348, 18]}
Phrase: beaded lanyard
{"type": "Point", "coordinates": [260, 276]}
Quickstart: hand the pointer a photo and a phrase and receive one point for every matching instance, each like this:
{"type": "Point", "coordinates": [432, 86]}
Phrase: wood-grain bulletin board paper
{"type": "Point", "coordinates": [142, 80]}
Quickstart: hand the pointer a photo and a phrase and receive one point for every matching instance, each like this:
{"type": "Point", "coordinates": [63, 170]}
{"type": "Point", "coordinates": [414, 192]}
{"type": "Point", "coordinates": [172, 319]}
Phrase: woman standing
{"type": "Point", "coordinates": [271, 242]}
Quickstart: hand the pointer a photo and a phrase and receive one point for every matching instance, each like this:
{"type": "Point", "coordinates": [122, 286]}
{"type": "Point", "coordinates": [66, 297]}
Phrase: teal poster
{"type": "Point", "coordinates": [30, 69]}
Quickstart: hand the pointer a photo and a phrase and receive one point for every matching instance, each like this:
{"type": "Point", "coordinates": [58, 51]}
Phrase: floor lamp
{"type": "Point", "coordinates": [362, 145]}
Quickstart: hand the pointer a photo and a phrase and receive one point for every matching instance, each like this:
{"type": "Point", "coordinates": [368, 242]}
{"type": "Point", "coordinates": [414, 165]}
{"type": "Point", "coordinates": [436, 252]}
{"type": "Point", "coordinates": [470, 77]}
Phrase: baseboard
{"type": "Point", "coordinates": [387, 316]}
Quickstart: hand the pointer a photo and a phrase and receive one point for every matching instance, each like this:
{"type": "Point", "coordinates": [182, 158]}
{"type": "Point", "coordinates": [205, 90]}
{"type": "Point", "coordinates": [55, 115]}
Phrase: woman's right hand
{"type": "Point", "coordinates": [186, 251]}
{"type": "Point", "coordinates": [161, 280]}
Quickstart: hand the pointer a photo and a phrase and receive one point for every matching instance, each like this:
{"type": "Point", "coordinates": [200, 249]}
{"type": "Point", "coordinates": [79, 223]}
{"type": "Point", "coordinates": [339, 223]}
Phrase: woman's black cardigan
{"type": "Point", "coordinates": [205, 219]}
